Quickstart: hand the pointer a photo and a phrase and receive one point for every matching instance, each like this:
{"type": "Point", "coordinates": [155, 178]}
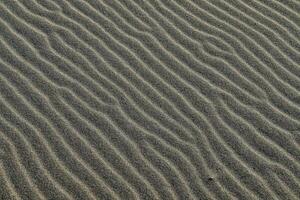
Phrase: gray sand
{"type": "Point", "coordinates": [149, 99]}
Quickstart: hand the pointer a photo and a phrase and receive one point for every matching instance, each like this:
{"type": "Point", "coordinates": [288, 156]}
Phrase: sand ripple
{"type": "Point", "coordinates": [158, 99]}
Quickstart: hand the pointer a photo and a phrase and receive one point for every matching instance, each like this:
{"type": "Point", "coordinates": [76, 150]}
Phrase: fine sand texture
{"type": "Point", "coordinates": [150, 99]}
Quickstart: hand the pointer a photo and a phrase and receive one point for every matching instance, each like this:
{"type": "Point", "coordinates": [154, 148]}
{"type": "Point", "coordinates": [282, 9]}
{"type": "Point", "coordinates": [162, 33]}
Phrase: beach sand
{"type": "Point", "coordinates": [150, 99]}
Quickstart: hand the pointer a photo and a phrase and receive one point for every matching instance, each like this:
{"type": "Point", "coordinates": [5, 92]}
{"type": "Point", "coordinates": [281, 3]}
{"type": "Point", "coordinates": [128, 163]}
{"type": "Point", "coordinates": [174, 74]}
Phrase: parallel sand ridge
{"type": "Point", "coordinates": [156, 99]}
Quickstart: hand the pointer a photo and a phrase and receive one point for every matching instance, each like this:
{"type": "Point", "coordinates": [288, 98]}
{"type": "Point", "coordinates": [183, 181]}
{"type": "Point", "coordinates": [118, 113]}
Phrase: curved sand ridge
{"type": "Point", "coordinates": [158, 99]}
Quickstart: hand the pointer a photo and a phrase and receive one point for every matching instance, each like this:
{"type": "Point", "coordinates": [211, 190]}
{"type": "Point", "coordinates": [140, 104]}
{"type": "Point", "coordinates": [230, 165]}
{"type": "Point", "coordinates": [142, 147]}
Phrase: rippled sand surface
{"type": "Point", "coordinates": [150, 99]}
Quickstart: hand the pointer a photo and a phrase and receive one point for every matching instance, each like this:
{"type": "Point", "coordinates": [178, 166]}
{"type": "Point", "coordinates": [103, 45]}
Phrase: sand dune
{"type": "Point", "coordinates": [158, 99]}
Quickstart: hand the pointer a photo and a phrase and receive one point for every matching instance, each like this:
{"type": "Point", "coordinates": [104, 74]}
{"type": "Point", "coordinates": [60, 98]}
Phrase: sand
{"type": "Point", "coordinates": [150, 99]}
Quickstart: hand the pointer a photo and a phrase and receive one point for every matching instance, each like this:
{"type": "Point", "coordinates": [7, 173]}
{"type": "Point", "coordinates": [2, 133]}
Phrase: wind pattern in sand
{"type": "Point", "coordinates": [149, 99]}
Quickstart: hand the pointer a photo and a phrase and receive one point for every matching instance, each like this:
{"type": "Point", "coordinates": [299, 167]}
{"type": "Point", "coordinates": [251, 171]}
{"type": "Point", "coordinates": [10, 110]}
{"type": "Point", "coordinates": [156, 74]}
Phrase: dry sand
{"type": "Point", "coordinates": [150, 99]}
